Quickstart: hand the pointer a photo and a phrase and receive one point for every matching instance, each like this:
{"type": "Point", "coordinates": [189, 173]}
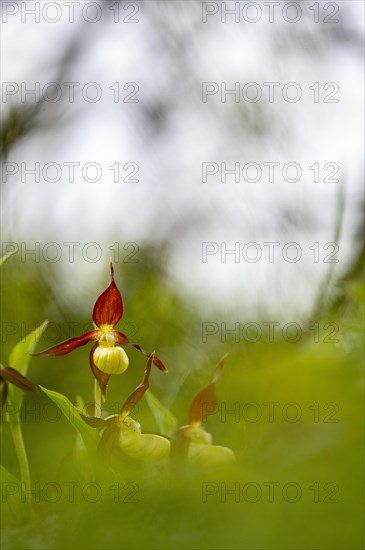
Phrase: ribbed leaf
{"type": "Point", "coordinates": [19, 355]}
{"type": "Point", "coordinates": [89, 436]}
{"type": "Point", "coordinates": [19, 360]}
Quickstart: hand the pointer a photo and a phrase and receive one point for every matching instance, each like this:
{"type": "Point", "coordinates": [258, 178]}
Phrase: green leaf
{"type": "Point", "coordinates": [89, 436]}
{"type": "Point", "coordinates": [166, 421]}
{"type": "Point", "coordinates": [19, 360]}
{"type": "Point", "coordinates": [5, 257]}
{"type": "Point", "coordinates": [80, 458]}
{"type": "Point", "coordinates": [19, 355]}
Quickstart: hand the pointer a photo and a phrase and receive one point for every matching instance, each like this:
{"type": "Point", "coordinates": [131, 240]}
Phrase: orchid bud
{"type": "Point", "coordinates": [111, 360]}
{"type": "Point", "coordinates": [210, 455]}
{"type": "Point", "coordinates": [201, 451]}
{"type": "Point", "coordinates": [142, 446]}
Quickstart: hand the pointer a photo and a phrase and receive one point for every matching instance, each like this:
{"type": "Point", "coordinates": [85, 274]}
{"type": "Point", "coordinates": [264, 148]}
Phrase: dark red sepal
{"type": "Point", "coordinates": [108, 309]}
{"type": "Point", "coordinates": [69, 345]}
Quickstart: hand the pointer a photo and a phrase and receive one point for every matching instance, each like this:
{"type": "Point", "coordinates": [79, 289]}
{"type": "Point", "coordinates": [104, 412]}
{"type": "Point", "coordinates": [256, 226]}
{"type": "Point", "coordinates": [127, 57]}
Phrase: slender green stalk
{"type": "Point", "coordinates": [17, 435]}
{"type": "Point", "coordinates": [97, 398]}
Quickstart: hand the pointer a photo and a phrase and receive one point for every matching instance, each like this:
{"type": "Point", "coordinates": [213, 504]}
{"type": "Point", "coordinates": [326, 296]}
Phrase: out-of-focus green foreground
{"type": "Point", "coordinates": [291, 411]}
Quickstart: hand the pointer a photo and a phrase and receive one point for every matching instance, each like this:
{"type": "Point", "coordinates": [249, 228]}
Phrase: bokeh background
{"type": "Point", "coordinates": [154, 229]}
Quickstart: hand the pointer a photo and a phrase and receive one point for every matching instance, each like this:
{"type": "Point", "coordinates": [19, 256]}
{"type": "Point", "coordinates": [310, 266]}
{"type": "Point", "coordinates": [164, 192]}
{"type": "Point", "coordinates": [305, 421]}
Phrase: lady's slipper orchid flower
{"type": "Point", "coordinates": [106, 357]}
{"type": "Point", "coordinates": [123, 434]}
{"type": "Point", "coordinates": [193, 441]}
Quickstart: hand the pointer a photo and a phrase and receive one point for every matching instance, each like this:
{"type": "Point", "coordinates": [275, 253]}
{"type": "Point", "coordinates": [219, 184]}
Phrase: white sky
{"type": "Point", "coordinates": [169, 53]}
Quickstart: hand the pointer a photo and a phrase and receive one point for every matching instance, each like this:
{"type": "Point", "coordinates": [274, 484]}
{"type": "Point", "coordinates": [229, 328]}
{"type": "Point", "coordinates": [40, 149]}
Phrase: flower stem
{"type": "Point", "coordinates": [17, 435]}
{"type": "Point", "coordinates": [97, 398]}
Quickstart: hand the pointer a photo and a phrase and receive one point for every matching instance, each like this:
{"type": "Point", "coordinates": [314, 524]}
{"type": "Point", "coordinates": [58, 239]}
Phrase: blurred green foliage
{"type": "Point", "coordinates": [321, 452]}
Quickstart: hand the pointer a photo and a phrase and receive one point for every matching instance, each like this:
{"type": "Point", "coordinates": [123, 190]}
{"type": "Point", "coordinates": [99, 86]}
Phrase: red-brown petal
{"type": "Point", "coordinates": [122, 340]}
{"type": "Point", "coordinates": [108, 309]}
{"type": "Point", "coordinates": [101, 377]}
{"type": "Point", "coordinates": [3, 397]}
{"type": "Point", "coordinates": [13, 376]}
{"type": "Point", "coordinates": [94, 421]}
{"type": "Point", "coordinates": [138, 393]}
{"type": "Point", "coordinates": [205, 402]}
{"type": "Point", "coordinates": [69, 345]}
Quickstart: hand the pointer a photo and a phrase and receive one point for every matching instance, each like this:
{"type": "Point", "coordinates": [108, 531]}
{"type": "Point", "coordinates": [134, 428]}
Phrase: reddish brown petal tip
{"type": "Point", "coordinates": [111, 270]}
{"type": "Point", "coordinates": [122, 340]}
{"type": "Point", "coordinates": [159, 364]}
{"type": "Point", "coordinates": [108, 308]}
